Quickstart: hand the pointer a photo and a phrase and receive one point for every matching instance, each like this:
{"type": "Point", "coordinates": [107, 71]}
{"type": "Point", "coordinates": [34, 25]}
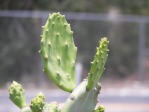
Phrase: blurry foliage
{"type": "Point", "coordinates": [19, 38]}
{"type": "Point", "coordinates": [18, 47]}
{"type": "Point", "coordinates": [140, 7]}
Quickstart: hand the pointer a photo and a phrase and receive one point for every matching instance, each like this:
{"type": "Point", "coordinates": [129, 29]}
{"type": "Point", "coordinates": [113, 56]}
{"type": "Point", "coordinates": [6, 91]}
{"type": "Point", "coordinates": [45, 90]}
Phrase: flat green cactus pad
{"type": "Point", "coordinates": [58, 52]}
{"type": "Point", "coordinates": [97, 66]}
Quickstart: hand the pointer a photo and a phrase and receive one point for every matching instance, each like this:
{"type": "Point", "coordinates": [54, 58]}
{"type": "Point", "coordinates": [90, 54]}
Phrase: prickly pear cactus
{"type": "Point", "coordinates": [58, 52]}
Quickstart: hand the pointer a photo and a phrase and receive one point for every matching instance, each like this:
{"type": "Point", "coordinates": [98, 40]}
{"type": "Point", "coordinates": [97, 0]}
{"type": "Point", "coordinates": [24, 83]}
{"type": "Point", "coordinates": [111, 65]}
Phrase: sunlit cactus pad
{"type": "Point", "coordinates": [58, 52]}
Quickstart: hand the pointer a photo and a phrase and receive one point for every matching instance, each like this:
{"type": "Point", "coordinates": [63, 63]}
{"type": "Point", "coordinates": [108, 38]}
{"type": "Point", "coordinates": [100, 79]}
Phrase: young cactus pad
{"type": "Point", "coordinates": [38, 103]}
{"type": "Point", "coordinates": [97, 66]}
{"type": "Point", "coordinates": [58, 52]}
{"type": "Point", "coordinates": [17, 95]}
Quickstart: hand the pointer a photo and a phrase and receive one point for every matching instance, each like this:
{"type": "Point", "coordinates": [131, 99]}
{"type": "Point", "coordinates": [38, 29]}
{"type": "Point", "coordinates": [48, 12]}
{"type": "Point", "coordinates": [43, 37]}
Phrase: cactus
{"type": "Point", "coordinates": [58, 53]}
{"type": "Point", "coordinates": [51, 107]}
{"type": "Point", "coordinates": [98, 64]}
{"type": "Point", "coordinates": [17, 94]}
{"type": "Point", "coordinates": [38, 103]}
{"type": "Point", "coordinates": [82, 100]}
{"type": "Point", "coordinates": [101, 108]}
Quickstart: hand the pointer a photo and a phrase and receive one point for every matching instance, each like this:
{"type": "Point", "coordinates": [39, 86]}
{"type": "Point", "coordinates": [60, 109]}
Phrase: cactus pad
{"type": "Point", "coordinates": [17, 94]}
{"type": "Point", "coordinates": [97, 66]}
{"type": "Point", "coordinates": [58, 52]}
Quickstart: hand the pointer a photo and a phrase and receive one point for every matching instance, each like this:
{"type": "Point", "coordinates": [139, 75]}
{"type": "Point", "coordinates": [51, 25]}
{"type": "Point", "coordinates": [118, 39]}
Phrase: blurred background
{"type": "Point", "coordinates": [125, 82]}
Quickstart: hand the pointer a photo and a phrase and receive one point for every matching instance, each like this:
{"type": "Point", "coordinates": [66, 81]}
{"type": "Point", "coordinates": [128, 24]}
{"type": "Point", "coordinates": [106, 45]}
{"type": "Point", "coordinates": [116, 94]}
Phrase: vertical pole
{"type": "Point", "coordinates": [140, 75]}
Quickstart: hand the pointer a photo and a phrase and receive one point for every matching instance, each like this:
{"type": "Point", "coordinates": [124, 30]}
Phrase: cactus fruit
{"type": "Point", "coordinates": [58, 52]}
{"type": "Point", "coordinates": [38, 103]}
{"type": "Point", "coordinates": [97, 66]}
{"type": "Point", "coordinates": [17, 95]}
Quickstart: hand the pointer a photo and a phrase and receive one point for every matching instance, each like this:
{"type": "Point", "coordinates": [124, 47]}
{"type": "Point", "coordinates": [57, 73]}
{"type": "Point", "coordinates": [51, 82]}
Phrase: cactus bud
{"type": "Point", "coordinates": [101, 108]}
{"type": "Point", "coordinates": [51, 107]}
{"type": "Point", "coordinates": [17, 94]}
{"type": "Point", "coordinates": [38, 103]}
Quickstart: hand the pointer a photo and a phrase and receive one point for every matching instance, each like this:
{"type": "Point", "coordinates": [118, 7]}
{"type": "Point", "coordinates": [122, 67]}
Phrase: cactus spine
{"type": "Point", "coordinates": [58, 53]}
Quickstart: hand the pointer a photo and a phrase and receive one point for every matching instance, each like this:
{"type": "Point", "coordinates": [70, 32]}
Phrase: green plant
{"type": "Point", "coordinates": [58, 54]}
